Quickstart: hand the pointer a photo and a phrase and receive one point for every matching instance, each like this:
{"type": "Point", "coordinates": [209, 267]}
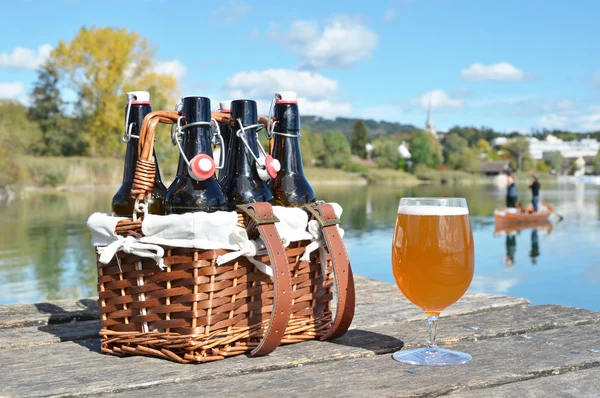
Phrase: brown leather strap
{"type": "Point", "coordinates": [342, 272]}
{"type": "Point", "coordinates": [262, 215]}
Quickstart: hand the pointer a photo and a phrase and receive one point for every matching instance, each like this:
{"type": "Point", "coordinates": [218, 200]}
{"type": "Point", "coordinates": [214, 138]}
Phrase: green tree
{"type": "Point", "coordinates": [518, 147]}
{"type": "Point", "coordinates": [337, 150]}
{"type": "Point", "coordinates": [385, 153]}
{"type": "Point", "coordinates": [359, 139]}
{"type": "Point", "coordinates": [18, 135]}
{"type": "Point", "coordinates": [471, 160]}
{"type": "Point", "coordinates": [454, 148]}
{"type": "Point", "coordinates": [60, 135]}
{"type": "Point", "coordinates": [306, 146]}
{"type": "Point", "coordinates": [101, 64]}
{"type": "Point", "coordinates": [553, 160]}
{"type": "Point", "coordinates": [426, 149]}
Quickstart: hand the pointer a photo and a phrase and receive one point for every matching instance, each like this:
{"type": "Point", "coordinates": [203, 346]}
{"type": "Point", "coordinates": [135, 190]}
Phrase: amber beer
{"type": "Point", "coordinates": [432, 255]}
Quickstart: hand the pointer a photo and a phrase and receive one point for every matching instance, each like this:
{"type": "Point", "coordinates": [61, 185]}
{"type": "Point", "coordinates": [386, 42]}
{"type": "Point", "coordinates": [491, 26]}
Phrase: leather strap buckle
{"type": "Point", "coordinates": [250, 212]}
{"type": "Point", "coordinates": [312, 209]}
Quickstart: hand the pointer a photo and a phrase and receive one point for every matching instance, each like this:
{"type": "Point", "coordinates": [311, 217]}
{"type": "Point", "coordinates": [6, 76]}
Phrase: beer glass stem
{"type": "Point", "coordinates": [432, 322]}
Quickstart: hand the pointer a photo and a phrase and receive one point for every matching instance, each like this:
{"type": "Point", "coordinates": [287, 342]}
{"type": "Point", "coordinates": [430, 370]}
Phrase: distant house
{"type": "Point", "coordinates": [495, 167]}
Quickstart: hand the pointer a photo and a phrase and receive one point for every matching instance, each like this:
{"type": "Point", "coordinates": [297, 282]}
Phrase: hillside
{"type": "Point", "coordinates": [344, 125]}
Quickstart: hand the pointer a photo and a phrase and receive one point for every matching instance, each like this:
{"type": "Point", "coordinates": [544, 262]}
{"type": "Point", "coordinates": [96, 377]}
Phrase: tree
{"type": "Point", "coordinates": [386, 154]}
{"type": "Point", "coordinates": [484, 146]}
{"type": "Point", "coordinates": [337, 150]}
{"type": "Point", "coordinates": [553, 160]}
{"type": "Point", "coordinates": [60, 135]}
{"type": "Point", "coordinates": [425, 149]}
{"type": "Point", "coordinates": [18, 135]}
{"type": "Point", "coordinates": [454, 148]}
{"type": "Point", "coordinates": [359, 139]}
{"type": "Point", "coordinates": [101, 64]}
{"type": "Point", "coordinates": [518, 147]}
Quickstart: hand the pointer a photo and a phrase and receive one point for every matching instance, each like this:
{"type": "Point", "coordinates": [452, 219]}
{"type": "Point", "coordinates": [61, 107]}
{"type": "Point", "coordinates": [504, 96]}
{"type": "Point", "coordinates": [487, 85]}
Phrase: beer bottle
{"type": "Point", "coordinates": [225, 172]}
{"type": "Point", "coordinates": [138, 106]}
{"type": "Point", "coordinates": [196, 188]}
{"type": "Point", "coordinates": [245, 185]}
{"type": "Point", "coordinates": [290, 187]}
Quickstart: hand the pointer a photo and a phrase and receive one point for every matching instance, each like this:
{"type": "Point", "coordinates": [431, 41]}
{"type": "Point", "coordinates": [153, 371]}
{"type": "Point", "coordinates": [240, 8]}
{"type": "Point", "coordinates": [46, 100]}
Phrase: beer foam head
{"type": "Point", "coordinates": [425, 210]}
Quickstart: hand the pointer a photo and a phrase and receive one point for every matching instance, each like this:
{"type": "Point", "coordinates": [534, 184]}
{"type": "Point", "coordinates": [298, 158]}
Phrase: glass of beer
{"type": "Point", "coordinates": [433, 261]}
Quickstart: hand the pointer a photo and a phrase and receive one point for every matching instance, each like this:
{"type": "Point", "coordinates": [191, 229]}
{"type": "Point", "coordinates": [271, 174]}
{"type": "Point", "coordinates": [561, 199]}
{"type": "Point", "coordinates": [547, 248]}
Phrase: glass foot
{"type": "Point", "coordinates": [431, 356]}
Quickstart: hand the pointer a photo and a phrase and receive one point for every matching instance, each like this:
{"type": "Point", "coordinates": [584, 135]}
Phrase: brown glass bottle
{"type": "Point", "coordinates": [122, 203]}
{"type": "Point", "coordinates": [244, 185]}
{"type": "Point", "coordinates": [188, 193]}
{"type": "Point", "coordinates": [290, 187]}
{"type": "Point", "coordinates": [227, 171]}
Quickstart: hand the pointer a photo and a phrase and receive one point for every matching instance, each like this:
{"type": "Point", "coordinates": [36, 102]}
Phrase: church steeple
{"type": "Point", "coordinates": [430, 124]}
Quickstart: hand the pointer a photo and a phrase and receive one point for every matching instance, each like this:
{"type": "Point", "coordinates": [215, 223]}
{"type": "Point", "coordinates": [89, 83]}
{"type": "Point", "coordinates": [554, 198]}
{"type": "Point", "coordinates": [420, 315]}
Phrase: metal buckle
{"type": "Point", "coordinates": [311, 208]}
{"type": "Point", "coordinates": [259, 221]}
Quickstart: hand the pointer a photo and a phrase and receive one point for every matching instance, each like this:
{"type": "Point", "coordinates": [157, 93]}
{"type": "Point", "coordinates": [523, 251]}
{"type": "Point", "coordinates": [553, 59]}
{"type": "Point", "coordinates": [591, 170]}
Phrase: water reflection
{"type": "Point", "coordinates": [45, 248]}
{"type": "Point", "coordinates": [511, 231]}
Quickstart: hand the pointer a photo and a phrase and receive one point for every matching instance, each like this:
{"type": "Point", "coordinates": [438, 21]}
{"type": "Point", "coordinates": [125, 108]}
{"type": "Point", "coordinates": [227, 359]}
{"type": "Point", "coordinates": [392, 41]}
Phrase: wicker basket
{"type": "Point", "coordinates": [198, 311]}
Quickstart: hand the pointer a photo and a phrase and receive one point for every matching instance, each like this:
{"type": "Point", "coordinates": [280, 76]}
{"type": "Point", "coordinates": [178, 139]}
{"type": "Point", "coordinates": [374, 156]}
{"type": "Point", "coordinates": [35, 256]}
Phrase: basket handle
{"type": "Point", "coordinates": [261, 215]}
{"type": "Point", "coordinates": [143, 180]}
{"type": "Point", "coordinates": [342, 271]}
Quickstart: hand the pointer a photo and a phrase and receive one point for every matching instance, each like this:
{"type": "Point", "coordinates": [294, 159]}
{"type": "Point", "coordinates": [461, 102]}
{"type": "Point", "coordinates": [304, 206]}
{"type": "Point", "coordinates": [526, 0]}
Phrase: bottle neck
{"type": "Point", "coordinates": [286, 149]}
{"type": "Point", "coordinates": [242, 159]}
{"type": "Point", "coordinates": [196, 141]}
{"type": "Point", "coordinates": [136, 116]}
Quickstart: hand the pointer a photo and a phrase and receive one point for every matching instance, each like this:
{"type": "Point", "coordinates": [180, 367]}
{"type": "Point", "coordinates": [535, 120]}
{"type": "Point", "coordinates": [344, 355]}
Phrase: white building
{"type": "Point", "coordinates": [585, 147]}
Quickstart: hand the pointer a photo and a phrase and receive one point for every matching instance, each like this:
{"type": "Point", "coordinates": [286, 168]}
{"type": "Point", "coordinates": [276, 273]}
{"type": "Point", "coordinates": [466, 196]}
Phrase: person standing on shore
{"type": "Point", "coordinates": [511, 190]}
{"type": "Point", "coordinates": [534, 185]}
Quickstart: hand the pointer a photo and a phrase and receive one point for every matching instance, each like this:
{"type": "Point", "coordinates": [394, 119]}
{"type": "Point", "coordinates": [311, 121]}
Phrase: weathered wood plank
{"type": "Point", "coordinates": [65, 368]}
{"type": "Point", "coordinates": [581, 384]}
{"type": "Point", "coordinates": [496, 362]}
{"type": "Point", "coordinates": [59, 311]}
{"type": "Point", "coordinates": [367, 315]}
{"type": "Point", "coordinates": [48, 334]}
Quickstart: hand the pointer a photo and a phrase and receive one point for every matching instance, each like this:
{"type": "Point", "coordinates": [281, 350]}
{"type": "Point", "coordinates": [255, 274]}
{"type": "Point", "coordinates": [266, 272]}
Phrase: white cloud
{"type": "Point", "coordinates": [552, 122]}
{"type": "Point", "coordinates": [502, 71]}
{"type": "Point", "coordinates": [340, 43]}
{"type": "Point", "coordinates": [317, 94]}
{"type": "Point", "coordinates": [25, 58]}
{"type": "Point", "coordinates": [302, 32]}
{"type": "Point", "coordinates": [172, 67]}
{"type": "Point", "coordinates": [11, 90]}
{"type": "Point", "coordinates": [389, 14]}
{"type": "Point", "coordinates": [439, 100]}
{"type": "Point", "coordinates": [264, 84]}
{"type": "Point", "coordinates": [232, 11]}
{"type": "Point", "coordinates": [558, 105]}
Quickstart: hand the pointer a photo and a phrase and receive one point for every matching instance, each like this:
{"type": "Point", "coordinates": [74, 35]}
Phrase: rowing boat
{"type": "Point", "coordinates": [523, 214]}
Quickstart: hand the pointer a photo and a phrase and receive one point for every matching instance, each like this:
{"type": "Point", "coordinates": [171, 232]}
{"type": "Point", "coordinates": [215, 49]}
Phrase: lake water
{"type": "Point", "coordinates": [45, 250]}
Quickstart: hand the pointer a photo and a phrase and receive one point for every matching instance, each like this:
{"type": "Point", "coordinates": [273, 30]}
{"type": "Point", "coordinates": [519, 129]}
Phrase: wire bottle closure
{"type": "Point", "coordinates": [201, 166]}
{"type": "Point", "coordinates": [128, 127]}
{"type": "Point", "coordinates": [266, 165]}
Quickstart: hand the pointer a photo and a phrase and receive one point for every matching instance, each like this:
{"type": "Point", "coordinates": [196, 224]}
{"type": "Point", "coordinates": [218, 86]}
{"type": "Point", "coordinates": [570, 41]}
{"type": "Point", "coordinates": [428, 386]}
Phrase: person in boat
{"type": "Point", "coordinates": [535, 186]}
{"type": "Point", "coordinates": [511, 190]}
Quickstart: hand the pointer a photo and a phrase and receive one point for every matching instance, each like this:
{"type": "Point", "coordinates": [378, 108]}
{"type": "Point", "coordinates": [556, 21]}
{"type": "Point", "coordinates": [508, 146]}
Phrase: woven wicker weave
{"type": "Point", "coordinates": [195, 311]}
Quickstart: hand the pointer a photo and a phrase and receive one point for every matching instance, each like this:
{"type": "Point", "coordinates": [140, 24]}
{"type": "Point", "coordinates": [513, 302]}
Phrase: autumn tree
{"type": "Point", "coordinates": [100, 65]}
{"type": "Point", "coordinates": [359, 139]}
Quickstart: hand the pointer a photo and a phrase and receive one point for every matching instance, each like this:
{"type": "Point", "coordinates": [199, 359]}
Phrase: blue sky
{"type": "Point", "coordinates": [509, 65]}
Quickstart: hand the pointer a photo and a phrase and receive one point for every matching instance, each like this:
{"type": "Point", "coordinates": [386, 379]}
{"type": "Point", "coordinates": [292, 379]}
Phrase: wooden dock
{"type": "Point", "coordinates": [519, 350]}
